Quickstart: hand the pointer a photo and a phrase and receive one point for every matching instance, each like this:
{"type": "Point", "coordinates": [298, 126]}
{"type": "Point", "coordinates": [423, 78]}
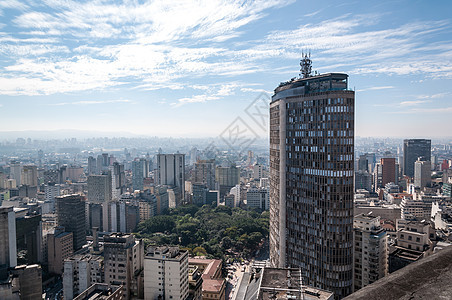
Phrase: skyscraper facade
{"type": "Point", "coordinates": [412, 150]}
{"type": "Point", "coordinates": [205, 173]}
{"type": "Point", "coordinates": [138, 174]}
{"type": "Point", "coordinates": [71, 215]}
{"type": "Point", "coordinates": [311, 179]}
{"type": "Point", "coordinates": [171, 171]}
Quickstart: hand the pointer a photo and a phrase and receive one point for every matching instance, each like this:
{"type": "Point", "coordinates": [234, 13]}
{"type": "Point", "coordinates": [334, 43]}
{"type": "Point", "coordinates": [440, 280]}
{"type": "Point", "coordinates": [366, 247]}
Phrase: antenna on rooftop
{"type": "Point", "coordinates": [306, 65]}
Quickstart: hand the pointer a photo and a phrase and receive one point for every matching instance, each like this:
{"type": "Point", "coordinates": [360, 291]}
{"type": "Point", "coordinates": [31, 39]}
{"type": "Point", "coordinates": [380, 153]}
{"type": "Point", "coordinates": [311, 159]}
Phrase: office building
{"type": "Point", "coordinates": [422, 174]}
{"type": "Point", "coordinates": [29, 175]}
{"type": "Point", "coordinates": [92, 166]}
{"type": "Point", "coordinates": [227, 178]}
{"type": "Point", "coordinates": [138, 174]}
{"type": "Point", "coordinates": [100, 192]}
{"type": "Point", "coordinates": [171, 172]}
{"type": "Point", "coordinates": [28, 280]}
{"type": "Point", "coordinates": [51, 191]}
{"type": "Point", "coordinates": [99, 188]}
{"type": "Point", "coordinates": [8, 250]}
{"type": "Point", "coordinates": [257, 198]}
{"type": "Point", "coordinates": [165, 273]}
{"type": "Point", "coordinates": [15, 172]}
{"type": "Point", "coordinates": [29, 238]}
{"type": "Point", "coordinates": [123, 263]}
{"type": "Point", "coordinates": [413, 149]}
{"type": "Point", "coordinates": [59, 247]}
{"type": "Point", "coordinates": [205, 173]}
{"type": "Point", "coordinates": [80, 272]}
{"type": "Point", "coordinates": [370, 255]}
{"type": "Point", "coordinates": [124, 216]}
{"type": "Point", "coordinates": [199, 194]}
{"type": "Point", "coordinates": [258, 171]}
{"type": "Point", "coordinates": [311, 179]}
{"type": "Point", "coordinates": [118, 180]}
{"type": "Point", "coordinates": [70, 212]}
{"type": "Point", "coordinates": [389, 170]}
{"type": "Point", "coordinates": [363, 180]}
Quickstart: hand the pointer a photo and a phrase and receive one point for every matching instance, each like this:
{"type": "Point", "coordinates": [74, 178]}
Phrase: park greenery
{"type": "Point", "coordinates": [218, 232]}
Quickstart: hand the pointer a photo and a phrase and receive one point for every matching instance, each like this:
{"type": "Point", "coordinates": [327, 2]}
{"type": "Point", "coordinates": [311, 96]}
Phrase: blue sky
{"type": "Point", "coordinates": [189, 69]}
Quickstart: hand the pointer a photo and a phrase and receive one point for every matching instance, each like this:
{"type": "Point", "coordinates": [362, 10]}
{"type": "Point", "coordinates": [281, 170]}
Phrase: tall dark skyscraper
{"type": "Point", "coordinates": [311, 178]}
{"type": "Point", "coordinates": [71, 214]}
{"type": "Point", "coordinates": [412, 150]}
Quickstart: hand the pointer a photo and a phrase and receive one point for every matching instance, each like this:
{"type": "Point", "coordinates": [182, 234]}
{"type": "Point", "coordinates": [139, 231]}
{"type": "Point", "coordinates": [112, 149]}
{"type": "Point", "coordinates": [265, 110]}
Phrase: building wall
{"type": "Point", "coordinates": [8, 250]}
{"type": "Point", "coordinates": [71, 215]}
{"type": "Point", "coordinates": [311, 187]}
{"type": "Point", "coordinates": [166, 276]}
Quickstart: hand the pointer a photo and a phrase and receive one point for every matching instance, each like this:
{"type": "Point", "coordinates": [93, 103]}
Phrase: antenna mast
{"type": "Point", "coordinates": [306, 65]}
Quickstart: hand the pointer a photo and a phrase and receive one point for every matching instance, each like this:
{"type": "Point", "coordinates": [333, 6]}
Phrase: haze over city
{"type": "Point", "coordinates": [188, 69]}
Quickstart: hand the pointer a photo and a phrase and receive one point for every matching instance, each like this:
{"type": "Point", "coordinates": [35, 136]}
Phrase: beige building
{"type": "Point", "coordinates": [123, 263]}
{"type": "Point", "coordinates": [370, 254]}
{"type": "Point", "coordinates": [195, 283]}
{"type": "Point", "coordinates": [415, 235]}
{"type": "Point", "coordinates": [166, 273]}
{"type": "Point", "coordinates": [59, 247]}
{"type": "Point", "coordinates": [213, 285]}
{"type": "Point", "coordinates": [29, 175]}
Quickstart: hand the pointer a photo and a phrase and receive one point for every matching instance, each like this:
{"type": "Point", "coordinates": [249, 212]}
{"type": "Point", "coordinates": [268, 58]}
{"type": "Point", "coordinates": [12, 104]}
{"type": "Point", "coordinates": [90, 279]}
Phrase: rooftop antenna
{"type": "Point", "coordinates": [306, 65]}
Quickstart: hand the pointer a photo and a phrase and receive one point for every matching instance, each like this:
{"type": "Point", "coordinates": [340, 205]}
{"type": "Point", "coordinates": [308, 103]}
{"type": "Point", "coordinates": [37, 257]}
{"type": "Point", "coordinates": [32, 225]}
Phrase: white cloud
{"type": "Point", "coordinates": [91, 102]}
{"type": "Point", "coordinates": [376, 88]}
{"type": "Point", "coordinates": [155, 44]}
{"type": "Point", "coordinates": [413, 102]}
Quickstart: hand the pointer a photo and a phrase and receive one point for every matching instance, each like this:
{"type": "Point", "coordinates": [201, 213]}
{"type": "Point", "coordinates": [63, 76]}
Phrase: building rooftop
{"type": "Point", "coordinates": [275, 283]}
{"type": "Point", "coordinates": [312, 84]}
{"type": "Point", "coordinates": [428, 278]}
{"type": "Point", "coordinates": [100, 291]}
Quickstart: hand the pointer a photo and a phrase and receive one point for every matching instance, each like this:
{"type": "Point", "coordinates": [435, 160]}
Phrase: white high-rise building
{"type": "Point", "coordinates": [257, 198]}
{"type": "Point", "coordinates": [258, 171]}
{"type": "Point", "coordinates": [171, 171]}
{"type": "Point", "coordinates": [165, 273]}
{"type": "Point", "coordinates": [236, 191]}
{"type": "Point", "coordinates": [422, 174]}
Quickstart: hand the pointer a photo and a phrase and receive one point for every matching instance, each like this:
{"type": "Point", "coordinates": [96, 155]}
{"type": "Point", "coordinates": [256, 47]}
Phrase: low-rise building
{"type": "Point", "coordinates": [213, 285]}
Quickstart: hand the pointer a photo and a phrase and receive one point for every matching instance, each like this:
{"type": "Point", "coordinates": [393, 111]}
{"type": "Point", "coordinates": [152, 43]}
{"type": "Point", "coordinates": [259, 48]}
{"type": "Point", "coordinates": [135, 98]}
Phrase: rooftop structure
{"type": "Point", "coordinates": [101, 291]}
{"type": "Point", "coordinates": [278, 283]}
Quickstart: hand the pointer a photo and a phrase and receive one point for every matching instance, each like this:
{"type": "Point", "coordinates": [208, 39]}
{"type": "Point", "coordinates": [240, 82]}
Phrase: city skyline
{"type": "Point", "coordinates": [154, 69]}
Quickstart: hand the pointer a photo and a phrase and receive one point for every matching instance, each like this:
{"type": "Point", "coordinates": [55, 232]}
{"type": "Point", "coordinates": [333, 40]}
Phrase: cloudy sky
{"type": "Point", "coordinates": [190, 68]}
